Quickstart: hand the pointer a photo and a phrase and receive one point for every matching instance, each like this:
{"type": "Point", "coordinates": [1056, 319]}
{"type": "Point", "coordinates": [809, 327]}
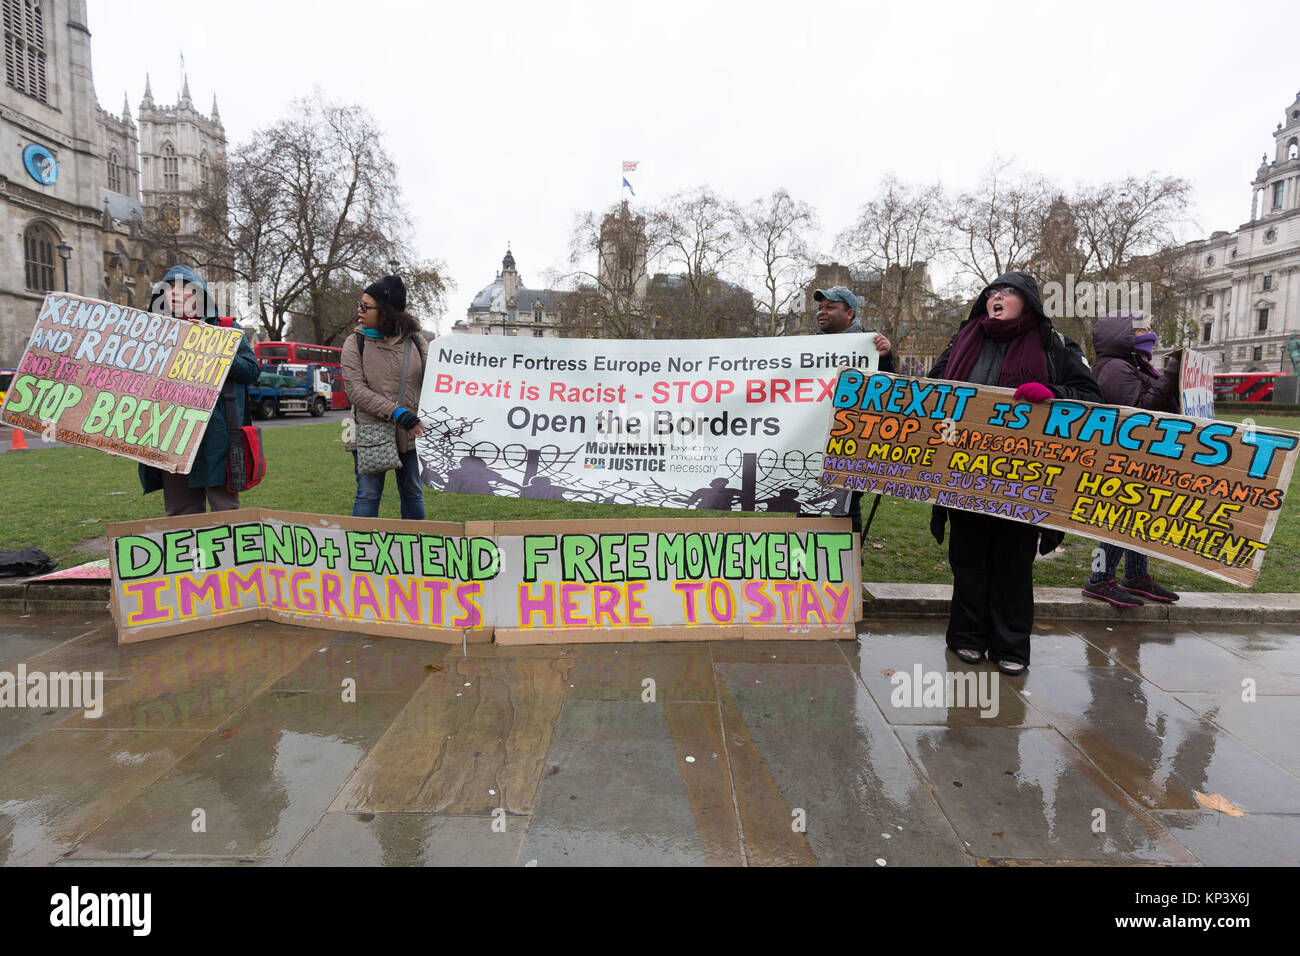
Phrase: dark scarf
{"type": "Point", "coordinates": [1025, 360]}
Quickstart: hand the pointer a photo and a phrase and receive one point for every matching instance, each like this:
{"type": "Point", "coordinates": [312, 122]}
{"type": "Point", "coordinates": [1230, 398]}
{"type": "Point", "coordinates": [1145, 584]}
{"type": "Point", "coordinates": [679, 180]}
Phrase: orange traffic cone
{"type": "Point", "coordinates": [19, 441]}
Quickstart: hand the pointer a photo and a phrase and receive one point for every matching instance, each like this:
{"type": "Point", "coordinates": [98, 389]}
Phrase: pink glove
{"type": "Point", "coordinates": [1034, 392]}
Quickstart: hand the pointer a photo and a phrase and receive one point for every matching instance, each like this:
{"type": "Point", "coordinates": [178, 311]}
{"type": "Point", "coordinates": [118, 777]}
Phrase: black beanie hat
{"type": "Point", "coordinates": [388, 292]}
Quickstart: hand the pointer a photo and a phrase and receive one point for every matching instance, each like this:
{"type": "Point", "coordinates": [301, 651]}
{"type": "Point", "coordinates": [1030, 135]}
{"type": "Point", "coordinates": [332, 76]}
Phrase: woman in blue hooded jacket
{"type": "Point", "coordinates": [183, 294]}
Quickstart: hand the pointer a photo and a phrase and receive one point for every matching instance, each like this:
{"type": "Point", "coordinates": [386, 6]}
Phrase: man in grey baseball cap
{"type": "Point", "coordinates": [837, 312]}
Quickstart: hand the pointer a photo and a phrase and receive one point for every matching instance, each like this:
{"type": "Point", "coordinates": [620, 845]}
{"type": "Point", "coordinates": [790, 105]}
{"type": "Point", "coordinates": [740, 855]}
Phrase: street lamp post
{"type": "Point", "coordinates": [392, 267]}
{"type": "Point", "coordinates": [65, 253]}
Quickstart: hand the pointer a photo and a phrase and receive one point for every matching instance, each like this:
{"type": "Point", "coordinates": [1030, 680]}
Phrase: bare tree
{"type": "Point", "coordinates": [773, 231]}
{"type": "Point", "coordinates": [896, 236]}
{"type": "Point", "coordinates": [697, 240]}
{"type": "Point", "coordinates": [313, 214]}
{"type": "Point", "coordinates": [998, 227]}
{"type": "Point", "coordinates": [1126, 234]}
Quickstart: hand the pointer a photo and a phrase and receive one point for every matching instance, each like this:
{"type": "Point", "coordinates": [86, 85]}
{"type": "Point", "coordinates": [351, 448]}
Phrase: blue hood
{"type": "Point", "coordinates": [187, 274]}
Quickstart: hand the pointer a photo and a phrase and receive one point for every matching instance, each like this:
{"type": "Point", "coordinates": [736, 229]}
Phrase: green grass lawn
{"type": "Point", "coordinates": [60, 500]}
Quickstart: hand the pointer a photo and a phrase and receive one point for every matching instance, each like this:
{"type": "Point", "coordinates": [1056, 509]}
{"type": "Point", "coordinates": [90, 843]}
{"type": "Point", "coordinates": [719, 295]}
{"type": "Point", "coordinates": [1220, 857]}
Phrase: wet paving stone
{"type": "Point", "coordinates": [261, 782]}
{"type": "Point", "coordinates": [197, 685]}
{"type": "Point", "coordinates": [1153, 746]}
{"type": "Point", "coordinates": [613, 793]}
{"type": "Point", "coordinates": [619, 671]}
{"type": "Point", "coordinates": [1257, 839]}
{"type": "Point", "coordinates": [481, 725]}
{"type": "Point", "coordinates": [706, 770]}
{"type": "Point", "coordinates": [1268, 724]}
{"type": "Point", "coordinates": [777, 652]}
{"type": "Point", "coordinates": [1014, 793]}
{"type": "Point", "coordinates": [60, 785]}
{"type": "Point", "coordinates": [1177, 658]}
{"type": "Point", "coordinates": [27, 639]}
{"type": "Point", "coordinates": [21, 724]}
{"type": "Point", "coordinates": [411, 839]}
{"type": "Point", "coordinates": [831, 754]}
{"type": "Point", "coordinates": [1052, 643]}
{"type": "Point", "coordinates": [1272, 648]}
{"type": "Point", "coordinates": [768, 824]}
{"type": "Point", "coordinates": [373, 665]}
{"type": "Point", "coordinates": [915, 679]}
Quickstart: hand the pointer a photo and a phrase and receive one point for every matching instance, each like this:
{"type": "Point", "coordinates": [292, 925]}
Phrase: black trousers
{"type": "Point", "coordinates": [992, 585]}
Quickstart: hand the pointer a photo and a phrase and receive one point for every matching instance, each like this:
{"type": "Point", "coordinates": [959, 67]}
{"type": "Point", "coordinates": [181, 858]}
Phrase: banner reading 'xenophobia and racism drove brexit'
{"type": "Point", "coordinates": [131, 383]}
{"type": "Point", "coordinates": [1201, 493]}
{"type": "Point", "coordinates": [719, 424]}
{"type": "Point", "coordinates": [526, 582]}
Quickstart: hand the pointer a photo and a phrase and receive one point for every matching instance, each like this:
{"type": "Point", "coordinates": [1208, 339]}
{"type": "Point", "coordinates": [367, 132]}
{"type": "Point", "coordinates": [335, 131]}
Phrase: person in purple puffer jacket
{"type": "Point", "coordinates": [1124, 344]}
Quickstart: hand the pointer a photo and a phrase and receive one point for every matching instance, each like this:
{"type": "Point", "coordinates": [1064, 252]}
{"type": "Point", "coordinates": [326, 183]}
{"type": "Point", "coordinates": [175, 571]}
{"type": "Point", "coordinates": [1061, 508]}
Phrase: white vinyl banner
{"type": "Point", "coordinates": [717, 424]}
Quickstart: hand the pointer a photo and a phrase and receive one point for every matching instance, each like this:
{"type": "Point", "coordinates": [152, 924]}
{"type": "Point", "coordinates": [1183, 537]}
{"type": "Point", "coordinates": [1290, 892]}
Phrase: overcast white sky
{"type": "Point", "coordinates": [506, 118]}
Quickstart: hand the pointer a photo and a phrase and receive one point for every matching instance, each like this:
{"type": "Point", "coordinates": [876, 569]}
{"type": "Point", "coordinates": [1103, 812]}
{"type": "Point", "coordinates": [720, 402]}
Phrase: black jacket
{"type": "Point", "coordinates": [1067, 372]}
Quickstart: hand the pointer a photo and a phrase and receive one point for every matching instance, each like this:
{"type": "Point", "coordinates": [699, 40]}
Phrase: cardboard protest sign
{"type": "Point", "coordinates": [1196, 385]}
{"type": "Point", "coordinates": [675, 580]}
{"type": "Point", "coordinates": [530, 582]}
{"type": "Point", "coordinates": [417, 579]}
{"type": "Point", "coordinates": [130, 383]}
{"type": "Point", "coordinates": [717, 424]}
{"type": "Point", "coordinates": [1200, 493]}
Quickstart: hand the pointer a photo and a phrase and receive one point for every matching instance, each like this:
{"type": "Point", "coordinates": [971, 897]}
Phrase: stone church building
{"type": "Point", "coordinates": [82, 189]}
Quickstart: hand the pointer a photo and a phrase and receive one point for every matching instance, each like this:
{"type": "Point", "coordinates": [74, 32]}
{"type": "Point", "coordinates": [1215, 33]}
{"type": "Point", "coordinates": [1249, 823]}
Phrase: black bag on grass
{"type": "Point", "coordinates": [25, 563]}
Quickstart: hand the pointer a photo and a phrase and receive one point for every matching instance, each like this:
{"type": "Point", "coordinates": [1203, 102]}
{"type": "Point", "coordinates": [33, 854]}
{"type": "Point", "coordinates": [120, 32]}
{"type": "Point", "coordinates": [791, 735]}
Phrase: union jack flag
{"type": "Point", "coordinates": [629, 167]}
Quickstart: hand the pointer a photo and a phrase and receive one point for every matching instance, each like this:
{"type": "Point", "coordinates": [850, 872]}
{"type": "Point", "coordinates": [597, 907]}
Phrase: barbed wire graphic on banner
{"type": "Point", "coordinates": [778, 482]}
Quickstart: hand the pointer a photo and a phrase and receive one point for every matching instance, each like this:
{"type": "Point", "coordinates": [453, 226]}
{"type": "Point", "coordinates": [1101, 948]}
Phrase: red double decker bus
{"type": "Point", "coordinates": [270, 354]}
{"type": "Point", "coordinates": [1245, 386]}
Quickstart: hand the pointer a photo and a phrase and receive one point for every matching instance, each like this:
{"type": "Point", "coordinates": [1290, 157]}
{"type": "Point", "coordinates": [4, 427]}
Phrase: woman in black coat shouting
{"type": "Point", "coordinates": [1007, 341]}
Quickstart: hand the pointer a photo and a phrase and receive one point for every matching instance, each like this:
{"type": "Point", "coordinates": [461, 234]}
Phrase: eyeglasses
{"type": "Point", "coordinates": [362, 307]}
{"type": "Point", "coordinates": [1001, 290]}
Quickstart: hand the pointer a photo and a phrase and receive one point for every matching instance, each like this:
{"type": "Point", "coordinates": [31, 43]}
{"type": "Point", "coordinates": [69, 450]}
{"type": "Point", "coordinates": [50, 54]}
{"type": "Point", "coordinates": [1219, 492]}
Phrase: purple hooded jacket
{"type": "Point", "coordinates": [1124, 374]}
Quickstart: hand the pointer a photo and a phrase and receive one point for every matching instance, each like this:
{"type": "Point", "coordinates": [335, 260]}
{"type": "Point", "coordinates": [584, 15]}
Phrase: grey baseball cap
{"type": "Point", "coordinates": [839, 293]}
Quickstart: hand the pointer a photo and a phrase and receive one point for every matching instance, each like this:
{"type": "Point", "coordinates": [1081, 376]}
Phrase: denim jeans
{"type": "Point", "coordinates": [370, 489]}
{"type": "Point", "coordinates": [1135, 564]}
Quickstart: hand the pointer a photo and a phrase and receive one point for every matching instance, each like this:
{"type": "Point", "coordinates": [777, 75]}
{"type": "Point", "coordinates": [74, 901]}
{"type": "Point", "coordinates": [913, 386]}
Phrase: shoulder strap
{"type": "Point", "coordinates": [233, 423]}
{"type": "Point", "coordinates": [406, 359]}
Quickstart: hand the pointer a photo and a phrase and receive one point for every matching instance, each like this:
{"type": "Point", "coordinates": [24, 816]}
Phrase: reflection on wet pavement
{"type": "Point", "coordinates": [260, 784]}
{"type": "Point", "coordinates": [1177, 658]}
{"type": "Point", "coordinates": [1153, 746]}
{"type": "Point", "coordinates": [1024, 794]}
{"type": "Point", "coordinates": [262, 744]}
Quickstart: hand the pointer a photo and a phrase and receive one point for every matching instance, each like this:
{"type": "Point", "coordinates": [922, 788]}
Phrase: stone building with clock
{"type": "Point", "coordinates": [1247, 301]}
{"type": "Point", "coordinates": [81, 188]}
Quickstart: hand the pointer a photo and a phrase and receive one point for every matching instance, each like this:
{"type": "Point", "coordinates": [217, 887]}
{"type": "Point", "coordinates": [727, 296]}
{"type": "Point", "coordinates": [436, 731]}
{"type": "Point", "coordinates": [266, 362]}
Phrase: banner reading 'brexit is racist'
{"type": "Point", "coordinates": [1204, 494]}
{"type": "Point", "coordinates": [123, 381]}
{"type": "Point", "coordinates": [717, 424]}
